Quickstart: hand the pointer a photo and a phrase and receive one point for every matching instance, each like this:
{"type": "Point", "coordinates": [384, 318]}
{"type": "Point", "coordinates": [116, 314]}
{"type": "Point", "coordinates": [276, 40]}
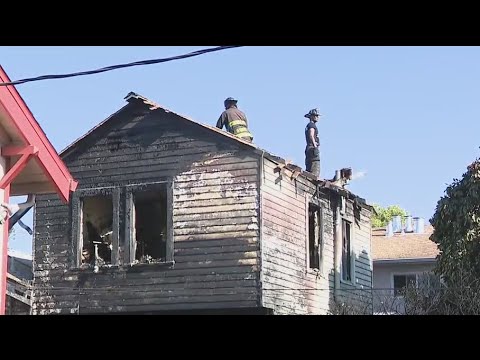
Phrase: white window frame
{"type": "Point", "coordinates": [403, 273]}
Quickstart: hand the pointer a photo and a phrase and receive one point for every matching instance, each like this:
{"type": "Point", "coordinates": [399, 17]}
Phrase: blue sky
{"type": "Point", "coordinates": [407, 116]}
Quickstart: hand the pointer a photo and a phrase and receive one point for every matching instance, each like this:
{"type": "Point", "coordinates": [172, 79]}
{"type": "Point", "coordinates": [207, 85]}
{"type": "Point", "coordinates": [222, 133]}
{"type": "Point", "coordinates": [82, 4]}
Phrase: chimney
{"type": "Point", "coordinates": [342, 177]}
{"type": "Point", "coordinates": [408, 224]}
{"type": "Point", "coordinates": [337, 175]}
{"type": "Point", "coordinates": [346, 175]}
{"type": "Point", "coordinates": [419, 225]}
{"type": "Point", "coordinates": [389, 230]}
{"type": "Point", "coordinates": [397, 224]}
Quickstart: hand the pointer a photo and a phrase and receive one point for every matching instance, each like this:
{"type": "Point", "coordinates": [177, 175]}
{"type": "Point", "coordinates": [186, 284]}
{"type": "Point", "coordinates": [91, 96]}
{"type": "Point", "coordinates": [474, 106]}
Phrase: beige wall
{"type": "Point", "coordinates": [383, 282]}
{"type": "Point", "coordinates": [383, 273]}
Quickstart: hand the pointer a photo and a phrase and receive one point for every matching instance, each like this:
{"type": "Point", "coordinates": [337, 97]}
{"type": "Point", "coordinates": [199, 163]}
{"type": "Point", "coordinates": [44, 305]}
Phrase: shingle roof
{"type": "Point", "coordinates": [403, 246]}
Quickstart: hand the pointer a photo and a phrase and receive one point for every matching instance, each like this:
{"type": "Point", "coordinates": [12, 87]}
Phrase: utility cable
{"type": "Point", "coordinates": [119, 66]}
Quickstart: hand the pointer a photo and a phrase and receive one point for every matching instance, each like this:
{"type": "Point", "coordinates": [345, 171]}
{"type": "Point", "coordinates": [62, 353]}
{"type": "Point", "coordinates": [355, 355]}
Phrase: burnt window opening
{"type": "Point", "coordinates": [97, 222]}
{"type": "Point", "coordinates": [315, 225]}
{"type": "Point", "coordinates": [346, 251]}
{"type": "Point", "coordinates": [150, 219]}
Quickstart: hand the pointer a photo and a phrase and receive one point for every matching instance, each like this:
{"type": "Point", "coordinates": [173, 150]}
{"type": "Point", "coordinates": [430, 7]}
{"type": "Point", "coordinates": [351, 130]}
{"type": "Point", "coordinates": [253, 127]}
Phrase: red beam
{"type": "Point", "coordinates": [4, 255]}
{"type": "Point", "coordinates": [10, 150]}
{"type": "Point", "coordinates": [31, 133]}
{"type": "Point", "coordinates": [14, 171]}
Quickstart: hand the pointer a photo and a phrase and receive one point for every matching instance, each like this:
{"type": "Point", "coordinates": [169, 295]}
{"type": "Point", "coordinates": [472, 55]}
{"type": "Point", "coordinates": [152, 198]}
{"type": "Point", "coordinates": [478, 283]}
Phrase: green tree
{"type": "Point", "coordinates": [384, 215]}
{"type": "Point", "coordinates": [456, 225]}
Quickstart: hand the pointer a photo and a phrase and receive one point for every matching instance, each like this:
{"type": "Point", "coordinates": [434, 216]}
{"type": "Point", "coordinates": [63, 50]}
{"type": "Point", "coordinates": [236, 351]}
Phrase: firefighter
{"type": "Point", "coordinates": [312, 150]}
{"type": "Point", "coordinates": [234, 120]}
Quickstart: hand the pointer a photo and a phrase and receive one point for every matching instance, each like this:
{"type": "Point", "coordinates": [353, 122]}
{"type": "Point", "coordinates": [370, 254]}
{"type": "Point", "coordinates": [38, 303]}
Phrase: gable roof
{"type": "Point", "coordinates": [133, 97]}
{"type": "Point", "coordinates": [47, 172]}
{"type": "Point", "coordinates": [403, 246]}
{"type": "Point", "coordinates": [152, 106]}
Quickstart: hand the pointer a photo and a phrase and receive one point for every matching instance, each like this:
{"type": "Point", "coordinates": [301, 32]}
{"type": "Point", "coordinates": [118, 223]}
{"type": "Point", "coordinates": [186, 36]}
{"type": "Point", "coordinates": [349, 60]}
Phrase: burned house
{"type": "Point", "coordinates": [175, 216]}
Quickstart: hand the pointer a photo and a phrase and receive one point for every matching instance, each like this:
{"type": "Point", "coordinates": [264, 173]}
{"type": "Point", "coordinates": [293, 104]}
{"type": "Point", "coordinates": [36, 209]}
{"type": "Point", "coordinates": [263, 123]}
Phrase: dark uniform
{"type": "Point", "coordinates": [312, 152]}
{"type": "Point", "coordinates": [235, 122]}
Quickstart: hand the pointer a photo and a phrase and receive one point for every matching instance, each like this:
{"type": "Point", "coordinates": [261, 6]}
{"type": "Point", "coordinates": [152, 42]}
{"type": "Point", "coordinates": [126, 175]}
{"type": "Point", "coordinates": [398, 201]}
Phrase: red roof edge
{"type": "Point", "coordinates": [32, 134]}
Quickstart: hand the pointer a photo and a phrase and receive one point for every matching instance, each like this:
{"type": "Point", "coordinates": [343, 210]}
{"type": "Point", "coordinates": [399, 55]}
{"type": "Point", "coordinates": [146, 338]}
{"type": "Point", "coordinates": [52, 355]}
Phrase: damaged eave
{"type": "Point", "coordinates": [294, 171]}
{"type": "Point", "coordinates": [132, 97]}
{"type": "Point", "coordinates": [67, 150]}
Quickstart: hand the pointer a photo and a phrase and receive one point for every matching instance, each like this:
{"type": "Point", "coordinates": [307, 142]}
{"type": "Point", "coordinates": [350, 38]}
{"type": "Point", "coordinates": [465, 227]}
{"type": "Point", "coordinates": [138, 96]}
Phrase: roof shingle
{"type": "Point", "coordinates": [403, 246]}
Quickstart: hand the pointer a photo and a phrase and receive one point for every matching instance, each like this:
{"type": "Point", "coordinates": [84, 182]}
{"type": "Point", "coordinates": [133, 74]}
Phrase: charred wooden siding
{"type": "Point", "coordinates": [215, 220]}
{"type": "Point", "coordinates": [289, 286]}
{"type": "Point", "coordinates": [360, 288]}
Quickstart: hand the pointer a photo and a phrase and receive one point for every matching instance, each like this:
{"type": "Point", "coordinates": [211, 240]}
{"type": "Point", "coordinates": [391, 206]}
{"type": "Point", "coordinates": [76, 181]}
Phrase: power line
{"type": "Point", "coordinates": [119, 66]}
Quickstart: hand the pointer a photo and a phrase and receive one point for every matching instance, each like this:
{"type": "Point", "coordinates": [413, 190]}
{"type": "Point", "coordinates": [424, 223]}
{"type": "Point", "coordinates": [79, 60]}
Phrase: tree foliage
{"type": "Point", "coordinates": [430, 296]}
{"type": "Point", "coordinates": [456, 225]}
{"type": "Point", "coordinates": [461, 297]}
{"type": "Point", "coordinates": [384, 215]}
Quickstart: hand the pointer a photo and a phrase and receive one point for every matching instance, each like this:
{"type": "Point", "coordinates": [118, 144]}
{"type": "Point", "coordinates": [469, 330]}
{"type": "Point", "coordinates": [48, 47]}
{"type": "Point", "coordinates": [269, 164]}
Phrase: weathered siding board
{"type": "Point", "coordinates": [215, 221]}
{"type": "Point", "coordinates": [363, 270]}
{"type": "Point", "coordinates": [361, 251]}
{"type": "Point", "coordinates": [149, 286]}
{"type": "Point", "coordinates": [222, 164]}
{"type": "Point", "coordinates": [288, 287]}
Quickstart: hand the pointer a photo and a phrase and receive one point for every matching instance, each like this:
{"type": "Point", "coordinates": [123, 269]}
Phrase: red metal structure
{"type": "Point", "coordinates": [29, 163]}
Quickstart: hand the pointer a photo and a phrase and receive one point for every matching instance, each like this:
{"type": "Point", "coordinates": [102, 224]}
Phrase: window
{"type": "Point", "coordinates": [150, 219]}
{"type": "Point", "coordinates": [420, 280]}
{"type": "Point", "coordinates": [149, 223]}
{"type": "Point", "coordinates": [96, 230]}
{"type": "Point", "coordinates": [315, 236]}
{"type": "Point", "coordinates": [346, 251]}
{"type": "Point", "coordinates": [122, 225]}
{"type": "Point", "coordinates": [400, 282]}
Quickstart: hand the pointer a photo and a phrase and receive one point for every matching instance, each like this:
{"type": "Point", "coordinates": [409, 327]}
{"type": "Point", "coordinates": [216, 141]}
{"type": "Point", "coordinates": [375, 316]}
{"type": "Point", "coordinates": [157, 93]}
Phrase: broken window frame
{"type": "Point", "coordinates": [351, 253]}
{"type": "Point", "coordinates": [130, 240]}
{"type": "Point", "coordinates": [77, 222]}
{"type": "Point", "coordinates": [319, 234]}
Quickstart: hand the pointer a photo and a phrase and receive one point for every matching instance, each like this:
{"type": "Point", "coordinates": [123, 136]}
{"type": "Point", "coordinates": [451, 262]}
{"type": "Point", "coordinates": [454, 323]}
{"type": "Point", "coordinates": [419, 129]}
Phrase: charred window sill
{"type": "Point", "coordinates": [138, 267]}
{"type": "Point", "coordinates": [99, 269]}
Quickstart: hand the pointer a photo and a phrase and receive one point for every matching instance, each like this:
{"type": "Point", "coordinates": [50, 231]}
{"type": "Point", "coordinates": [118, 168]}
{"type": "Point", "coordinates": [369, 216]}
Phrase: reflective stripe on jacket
{"type": "Point", "coordinates": [239, 128]}
{"type": "Point", "coordinates": [235, 123]}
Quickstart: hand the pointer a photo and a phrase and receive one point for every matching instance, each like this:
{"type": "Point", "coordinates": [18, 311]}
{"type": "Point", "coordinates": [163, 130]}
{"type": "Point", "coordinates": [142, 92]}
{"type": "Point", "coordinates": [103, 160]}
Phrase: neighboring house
{"type": "Point", "coordinates": [29, 165]}
{"type": "Point", "coordinates": [400, 258]}
{"type": "Point", "coordinates": [19, 283]}
{"type": "Point", "coordinates": [175, 216]}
